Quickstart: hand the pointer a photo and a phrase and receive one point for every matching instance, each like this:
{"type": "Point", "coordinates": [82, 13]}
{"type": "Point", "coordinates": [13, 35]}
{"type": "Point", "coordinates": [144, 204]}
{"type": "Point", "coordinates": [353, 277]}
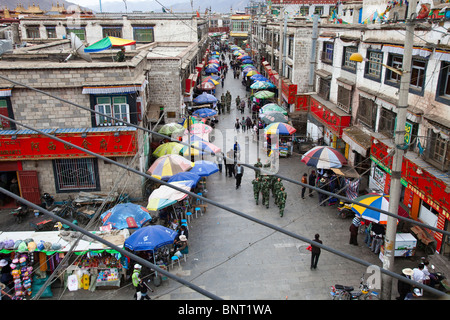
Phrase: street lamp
{"type": "Point", "coordinates": [399, 140]}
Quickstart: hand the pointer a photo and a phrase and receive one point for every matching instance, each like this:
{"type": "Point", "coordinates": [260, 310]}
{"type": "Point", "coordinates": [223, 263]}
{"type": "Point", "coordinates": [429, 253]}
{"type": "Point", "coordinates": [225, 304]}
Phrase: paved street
{"type": "Point", "coordinates": [238, 259]}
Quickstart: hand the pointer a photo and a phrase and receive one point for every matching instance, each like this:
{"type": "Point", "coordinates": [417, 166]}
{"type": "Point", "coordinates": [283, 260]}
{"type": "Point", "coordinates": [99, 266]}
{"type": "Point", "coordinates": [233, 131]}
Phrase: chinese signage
{"type": "Point", "coordinates": [40, 147]}
{"type": "Point", "coordinates": [333, 121]}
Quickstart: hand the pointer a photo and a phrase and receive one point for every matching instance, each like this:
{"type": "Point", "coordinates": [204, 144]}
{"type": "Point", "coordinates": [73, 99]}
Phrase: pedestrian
{"type": "Point", "coordinates": [238, 102]}
{"type": "Point", "coordinates": [304, 181]}
{"type": "Point", "coordinates": [230, 165]}
{"type": "Point", "coordinates": [237, 125]}
{"type": "Point", "coordinates": [249, 123]}
{"type": "Point", "coordinates": [354, 230]}
{"type": "Point", "coordinates": [219, 159]}
{"type": "Point", "coordinates": [277, 185]}
{"type": "Point", "coordinates": [418, 274]}
{"type": "Point", "coordinates": [120, 56]}
{"type": "Point", "coordinates": [239, 173]}
{"type": "Point", "coordinates": [256, 188]}
{"type": "Point", "coordinates": [258, 165]}
{"type": "Point", "coordinates": [403, 287]}
{"type": "Point", "coordinates": [222, 78]}
{"type": "Point", "coordinates": [315, 252]}
{"type": "Point", "coordinates": [281, 200]}
{"type": "Point", "coordinates": [322, 185]}
{"type": "Point", "coordinates": [243, 124]}
{"type": "Point", "coordinates": [312, 181]}
{"type": "Point", "coordinates": [136, 279]}
{"type": "Point", "coordinates": [265, 191]}
{"type": "Point", "coordinates": [242, 106]}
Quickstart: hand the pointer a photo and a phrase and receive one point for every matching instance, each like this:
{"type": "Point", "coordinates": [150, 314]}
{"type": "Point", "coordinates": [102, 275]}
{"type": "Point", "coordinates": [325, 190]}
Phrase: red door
{"type": "Point", "coordinates": [29, 186]}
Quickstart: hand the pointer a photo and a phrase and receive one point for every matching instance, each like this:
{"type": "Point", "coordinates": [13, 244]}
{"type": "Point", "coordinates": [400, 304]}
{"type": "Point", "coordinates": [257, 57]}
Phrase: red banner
{"type": "Point", "coordinates": [333, 121]}
{"type": "Point", "coordinates": [39, 147]}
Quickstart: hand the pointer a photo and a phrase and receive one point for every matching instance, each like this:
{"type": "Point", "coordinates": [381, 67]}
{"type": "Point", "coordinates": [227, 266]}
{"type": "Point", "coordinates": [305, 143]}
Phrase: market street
{"type": "Point", "coordinates": [235, 258]}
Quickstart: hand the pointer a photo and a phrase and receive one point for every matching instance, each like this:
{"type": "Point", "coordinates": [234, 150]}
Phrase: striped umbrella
{"type": "Point", "coordinates": [279, 128]}
{"type": "Point", "coordinates": [166, 166]}
{"type": "Point", "coordinates": [192, 120]}
{"type": "Point", "coordinates": [206, 85]}
{"type": "Point", "coordinates": [324, 157]}
{"type": "Point", "coordinates": [374, 200]}
{"type": "Point", "coordinates": [168, 148]}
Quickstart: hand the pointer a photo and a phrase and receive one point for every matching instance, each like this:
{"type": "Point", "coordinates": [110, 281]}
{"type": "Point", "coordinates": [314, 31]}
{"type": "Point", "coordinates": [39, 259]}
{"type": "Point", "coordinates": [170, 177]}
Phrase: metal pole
{"type": "Point", "coordinates": [280, 54]}
{"type": "Point", "coordinates": [397, 158]}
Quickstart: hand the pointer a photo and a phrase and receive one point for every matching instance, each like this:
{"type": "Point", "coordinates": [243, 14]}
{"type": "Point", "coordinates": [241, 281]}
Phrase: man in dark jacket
{"type": "Point", "coordinates": [315, 252]}
{"type": "Point", "coordinates": [312, 181]}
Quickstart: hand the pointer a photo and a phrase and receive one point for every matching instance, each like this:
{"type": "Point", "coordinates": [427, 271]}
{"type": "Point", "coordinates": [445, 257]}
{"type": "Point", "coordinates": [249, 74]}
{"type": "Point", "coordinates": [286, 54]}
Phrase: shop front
{"type": "Point", "coordinates": [333, 120]}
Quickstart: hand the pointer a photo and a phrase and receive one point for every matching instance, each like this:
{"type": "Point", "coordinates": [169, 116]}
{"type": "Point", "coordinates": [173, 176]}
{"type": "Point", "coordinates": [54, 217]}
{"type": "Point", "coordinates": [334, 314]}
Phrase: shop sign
{"type": "Point", "coordinates": [301, 102]}
{"type": "Point", "coordinates": [333, 121]}
{"type": "Point", "coordinates": [289, 91]}
{"type": "Point", "coordinates": [380, 152]}
{"type": "Point", "coordinates": [427, 184]}
{"type": "Point", "coordinates": [40, 147]}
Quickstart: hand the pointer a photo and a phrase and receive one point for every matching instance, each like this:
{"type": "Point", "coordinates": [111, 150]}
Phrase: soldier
{"type": "Point", "coordinates": [265, 190]}
{"type": "Point", "coordinates": [276, 189]}
{"type": "Point", "coordinates": [238, 102]}
{"type": "Point", "coordinates": [228, 100]}
{"type": "Point", "coordinates": [282, 195]}
{"type": "Point", "coordinates": [256, 188]}
{"type": "Point", "coordinates": [258, 165]}
{"type": "Point", "coordinates": [223, 102]}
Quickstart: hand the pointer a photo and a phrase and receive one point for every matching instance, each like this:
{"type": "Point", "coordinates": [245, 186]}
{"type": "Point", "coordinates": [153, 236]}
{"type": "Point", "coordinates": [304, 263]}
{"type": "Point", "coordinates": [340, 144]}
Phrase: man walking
{"type": "Point", "coordinates": [265, 190]}
{"type": "Point", "coordinates": [312, 181]}
{"type": "Point", "coordinates": [281, 200]}
{"type": "Point", "coordinates": [239, 173]}
{"type": "Point", "coordinates": [256, 188]}
{"type": "Point", "coordinates": [277, 185]}
{"type": "Point", "coordinates": [315, 252]}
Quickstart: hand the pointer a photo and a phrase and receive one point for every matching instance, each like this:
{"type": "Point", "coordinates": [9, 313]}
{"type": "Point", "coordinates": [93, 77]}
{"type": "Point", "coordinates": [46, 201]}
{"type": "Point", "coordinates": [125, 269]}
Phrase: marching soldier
{"type": "Point", "coordinates": [228, 100]}
{"type": "Point", "coordinates": [265, 190]}
{"type": "Point", "coordinates": [282, 195]}
{"type": "Point", "coordinates": [276, 189]}
{"type": "Point", "coordinates": [259, 165]}
{"type": "Point", "coordinates": [256, 188]}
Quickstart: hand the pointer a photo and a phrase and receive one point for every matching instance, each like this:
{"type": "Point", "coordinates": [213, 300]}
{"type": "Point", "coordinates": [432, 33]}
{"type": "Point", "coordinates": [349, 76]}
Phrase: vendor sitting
{"type": "Point", "coordinates": [182, 230]}
{"type": "Point", "coordinates": [181, 245]}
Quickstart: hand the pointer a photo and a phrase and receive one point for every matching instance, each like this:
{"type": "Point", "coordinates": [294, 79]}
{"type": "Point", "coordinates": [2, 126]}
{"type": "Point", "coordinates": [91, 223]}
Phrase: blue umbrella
{"type": "Point", "coordinates": [126, 215]}
{"type": "Point", "coordinates": [185, 176]}
{"type": "Point", "coordinates": [205, 98]}
{"type": "Point", "coordinates": [204, 112]}
{"type": "Point", "coordinates": [245, 61]}
{"type": "Point", "coordinates": [211, 70]}
{"type": "Point", "coordinates": [258, 77]}
{"type": "Point", "coordinates": [204, 168]}
{"type": "Point", "coordinates": [150, 238]}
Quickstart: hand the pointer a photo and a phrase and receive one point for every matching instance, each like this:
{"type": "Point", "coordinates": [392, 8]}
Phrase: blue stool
{"type": "Point", "coordinates": [198, 209]}
{"type": "Point", "coordinates": [199, 201]}
{"type": "Point", "coordinates": [188, 215]}
{"type": "Point", "coordinates": [175, 258]}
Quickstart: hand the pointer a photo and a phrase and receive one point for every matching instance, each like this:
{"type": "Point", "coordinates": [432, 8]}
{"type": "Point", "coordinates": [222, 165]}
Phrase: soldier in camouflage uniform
{"type": "Point", "coordinates": [276, 189]}
{"type": "Point", "coordinates": [282, 195]}
{"type": "Point", "coordinates": [259, 165]}
{"type": "Point", "coordinates": [265, 190]}
{"type": "Point", "coordinates": [228, 100]}
{"type": "Point", "coordinates": [256, 188]}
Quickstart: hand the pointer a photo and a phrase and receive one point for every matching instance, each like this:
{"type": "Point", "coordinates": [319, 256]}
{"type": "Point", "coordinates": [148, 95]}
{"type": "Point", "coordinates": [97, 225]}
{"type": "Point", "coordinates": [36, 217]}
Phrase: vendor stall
{"type": "Point", "coordinates": [405, 246]}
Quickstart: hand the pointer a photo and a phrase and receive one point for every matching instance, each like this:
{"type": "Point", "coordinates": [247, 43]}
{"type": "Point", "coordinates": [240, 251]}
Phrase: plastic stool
{"type": "Point", "coordinates": [199, 201]}
{"type": "Point", "coordinates": [188, 215]}
{"type": "Point", "coordinates": [198, 209]}
{"type": "Point", "coordinates": [175, 258]}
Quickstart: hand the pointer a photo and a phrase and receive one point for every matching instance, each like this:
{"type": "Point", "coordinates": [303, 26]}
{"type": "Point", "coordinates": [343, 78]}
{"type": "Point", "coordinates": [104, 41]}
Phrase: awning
{"type": "Point", "coordinates": [357, 139]}
{"type": "Point", "coordinates": [5, 92]}
{"type": "Point", "coordinates": [398, 49]}
{"type": "Point", "coordinates": [132, 88]}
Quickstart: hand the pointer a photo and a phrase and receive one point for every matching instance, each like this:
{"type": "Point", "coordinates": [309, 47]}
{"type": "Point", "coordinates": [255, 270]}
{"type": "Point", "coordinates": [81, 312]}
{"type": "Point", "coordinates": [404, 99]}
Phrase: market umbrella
{"type": "Point", "coordinates": [204, 168]}
{"type": "Point", "coordinates": [189, 120]}
{"type": "Point", "coordinates": [107, 43]}
{"type": "Point", "coordinates": [243, 57]}
{"type": "Point", "coordinates": [210, 79]}
{"type": "Point", "coordinates": [252, 73]}
{"type": "Point", "coordinates": [273, 107]}
{"type": "Point", "coordinates": [126, 215]}
{"type": "Point", "coordinates": [324, 157]}
{"type": "Point", "coordinates": [150, 238]}
{"type": "Point", "coordinates": [264, 94]}
{"type": "Point", "coordinates": [279, 128]}
{"type": "Point", "coordinates": [185, 176]}
{"type": "Point", "coordinates": [206, 85]}
{"type": "Point", "coordinates": [166, 166]}
{"type": "Point", "coordinates": [271, 117]}
{"type": "Point", "coordinates": [156, 204]}
{"type": "Point", "coordinates": [258, 85]}
{"type": "Point", "coordinates": [166, 192]}
{"type": "Point", "coordinates": [200, 129]}
{"type": "Point", "coordinates": [205, 98]}
{"type": "Point", "coordinates": [258, 77]}
{"type": "Point", "coordinates": [170, 128]}
{"type": "Point", "coordinates": [211, 69]}
{"type": "Point", "coordinates": [374, 200]}
{"type": "Point", "coordinates": [213, 61]}
{"type": "Point", "coordinates": [202, 146]}
{"type": "Point", "coordinates": [204, 112]}
{"type": "Point", "coordinates": [168, 148]}
{"type": "Point", "coordinates": [247, 61]}
{"type": "Point", "coordinates": [196, 137]}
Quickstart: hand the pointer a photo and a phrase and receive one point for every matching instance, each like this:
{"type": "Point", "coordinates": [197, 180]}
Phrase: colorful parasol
{"type": "Point", "coordinates": [204, 168]}
{"type": "Point", "coordinates": [168, 148]}
{"type": "Point", "coordinates": [273, 116]}
{"type": "Point", "coordinates": [170, 128]}
{"type": "Point", "coordinates": [279, 128]}
{"type": "Point", "coordinates": [192, 120]}
{"type": "Point", "coordinates": [204, 112]}
{"type": "Point", "coordinates": [375, 200]}
{"type": "Point", "coordinates": [200, 129]}
{"type": "Point", "coordinates": [264, 94]}
{"type": "Point", "coordinates": [324, 157]}
{"type": "Point", "coordinates": [166, 166]}
{"type": "Point", "coordinates": [203, 146]}
{"type": "Point", "coordinates": [185, 176]}
{"type": "Point", "coordinates": [150, 238]}
{"type": "Point", "coordinates": [107, 43]}
{"type": "Point", "coordinates": [259, 85]}
{"type": "Point", "coordinates": [205, 98]}
{"type": "Point", "coordinates": [126, 215]}
{"type": "Point", "coordinates": [252, 73]}
{"type": "Point", "coordinates": [273, 107]}
{"type": "Point", "coordinates": [207, 86]}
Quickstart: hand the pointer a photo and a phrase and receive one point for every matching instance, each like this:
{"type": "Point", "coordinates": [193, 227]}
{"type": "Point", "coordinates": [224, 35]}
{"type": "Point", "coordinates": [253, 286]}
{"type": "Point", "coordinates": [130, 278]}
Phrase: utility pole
{"type": "Point", "coordinates": [280, 55]}
{"type": "Point", "coordinates": [397, 158]}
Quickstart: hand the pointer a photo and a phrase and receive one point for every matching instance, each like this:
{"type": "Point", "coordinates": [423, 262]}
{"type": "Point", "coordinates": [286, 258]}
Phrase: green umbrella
{"type": "Point", "coordinates": [273, 116]}
{"type": "Point", "coordinates": [265, 94]}
{"type": "Point", "coordinates": [170, 128]}
{"type": "Point", "coordinates": [273, 107]}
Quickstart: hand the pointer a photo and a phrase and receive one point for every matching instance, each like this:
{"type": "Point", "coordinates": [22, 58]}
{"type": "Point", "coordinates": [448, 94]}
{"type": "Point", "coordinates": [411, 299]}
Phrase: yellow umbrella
{"type": "Point", "coordinates": [168, 148]}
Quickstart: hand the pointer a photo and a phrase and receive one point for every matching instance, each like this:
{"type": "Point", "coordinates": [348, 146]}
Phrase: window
{"type": "Point", "coordinates": [115, 107]}
{"type": "Point", "coordinates": [418, 69]}
{"type": "Point", "coordinates": [367, 112]}
{"type": "Point", "coordinates": [443, 86]}
{"type": "Point", "coordinates": [344, 99]}
{"type": "Point", "coordinates": [437, 150]}
{"type": "Point", "coordinates": [324, 88]}
{"type": "Point", "coordinates": [51, 32]}
{"type": "Point", "coordinates": [386, 124]}
{"type": "Point", "coordinates": [76, 174]}
{"type": "Point", "coordinates": [143, 34]}
{"type": "Point", "coordinates": [327, 52]}
{"type": "Point", "coordinates": [347, 64]}
{"type": "Point", "coordinates": [318, 10]}
{"type": "Point", "coordinates": [33, 32]}
{"type": "Point", "coordinates": [79, 32]}
{"type": "Point", "coordinates": [291, 46]}
{"type": "Point", "coordinates": [373, 69]}
{"type": "Point", "coordinates": [115, 31]}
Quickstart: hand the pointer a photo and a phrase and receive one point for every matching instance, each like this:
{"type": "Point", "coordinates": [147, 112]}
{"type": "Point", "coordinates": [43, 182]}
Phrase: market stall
{"type": "Point", "coordinates": [285, 137]}
{"type": "Point", "coordinates": [32, 256]}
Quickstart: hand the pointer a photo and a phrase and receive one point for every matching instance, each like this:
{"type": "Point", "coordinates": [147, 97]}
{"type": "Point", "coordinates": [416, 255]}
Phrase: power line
{"type": "Point", "coordinates": [291, 234]}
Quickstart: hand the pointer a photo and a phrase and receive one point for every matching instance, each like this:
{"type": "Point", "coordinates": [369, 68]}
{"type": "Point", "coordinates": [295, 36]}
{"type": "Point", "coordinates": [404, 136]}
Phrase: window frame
{"type": "Point", "coordinates": [76, 164]}
{"type": "Point", "coordinates": [112, 109]}
{"type": "Point", "coordinates": [136, 37]}
{"type": "Point", "coordinates": [327, 52]}
{"type": "Point", "coordinates": [393, 79]}
{"type": "Point", "coordinates": [112, 31]}
{"type": "Point", "coordinates": [347, 64]}
{"type": "Point", "coordinates": [369, 66]}
{"type": "Point", "coordinates": [365, 119]}
{"type": "Point", "coordinates": [80, 32]}
{"type": "Point", "coordinates": [386, 122]}
{"type": "Point", "coordinates": [443, 84]}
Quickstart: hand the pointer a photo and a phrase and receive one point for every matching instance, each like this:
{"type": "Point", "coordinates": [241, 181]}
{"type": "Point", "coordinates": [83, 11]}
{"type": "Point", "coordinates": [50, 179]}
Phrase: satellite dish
{"type": "Point", "coordinates": [78, 48]}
